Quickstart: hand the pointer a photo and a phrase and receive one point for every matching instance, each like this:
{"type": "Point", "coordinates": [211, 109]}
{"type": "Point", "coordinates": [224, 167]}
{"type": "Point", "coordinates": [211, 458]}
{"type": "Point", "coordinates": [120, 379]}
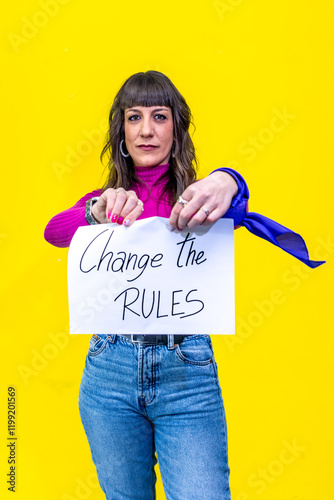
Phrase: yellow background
{"type": "Point", "coordinates": [238, 63]}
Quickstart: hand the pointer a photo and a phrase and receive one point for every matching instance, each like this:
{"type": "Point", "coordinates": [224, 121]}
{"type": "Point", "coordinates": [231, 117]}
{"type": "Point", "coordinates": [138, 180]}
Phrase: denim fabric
{"type": "Point", "coordinates": [138, 402]}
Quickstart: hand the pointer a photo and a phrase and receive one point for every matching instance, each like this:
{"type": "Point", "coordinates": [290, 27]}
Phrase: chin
{"type": "Point", "coordinates": [149, 162]}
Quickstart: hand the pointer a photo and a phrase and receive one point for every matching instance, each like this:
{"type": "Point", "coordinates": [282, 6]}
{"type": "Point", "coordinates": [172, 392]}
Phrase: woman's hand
{"type": "Point", "coordinates": [204, 202]}
{"type": "Point", "coordinates": [117, 205]}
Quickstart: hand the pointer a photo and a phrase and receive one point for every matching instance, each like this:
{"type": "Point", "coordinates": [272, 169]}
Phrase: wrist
{"type": "Point", "coordinates": [89, 215]}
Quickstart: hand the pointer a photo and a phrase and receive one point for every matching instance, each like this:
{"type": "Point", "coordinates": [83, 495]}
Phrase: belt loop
{"type": "Point", "coordinates": [170, 341]}
{"type": "Point", "coordinates": [112, 338]}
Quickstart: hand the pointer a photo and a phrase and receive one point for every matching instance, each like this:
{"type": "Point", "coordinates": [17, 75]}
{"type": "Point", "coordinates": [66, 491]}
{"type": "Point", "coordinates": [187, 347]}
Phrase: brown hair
{"type": "Point", "coordinates": [151, 89]}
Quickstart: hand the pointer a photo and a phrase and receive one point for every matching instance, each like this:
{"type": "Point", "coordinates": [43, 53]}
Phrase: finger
{"type": "Point", "coordinates": [134, 214]}
{"type": "Point", "coordinates": [213, 217]}
{"type": "Point", "coordinates": [198, 218]}
{"type": "Point", "coordinates": [175, 213]}
{"type": "Point", "coordinates": [99, 208]}
{"type": "Point", "coordinates": [174, 216]}
{"type": "Point", "coordinates": [115, 204]}
{"type": "Point", "coordinates": [130, 204]}
{"type": "Point", "coordinates": [105, 203]}
{"type": "Point", "coordinates": [191, 213]}
{"type": "Point", "coordinates": [218, 212]}
{"type": "Point", "coordinates": [199, 205]}
{"type": "Point", "coordinates": [204, 218]}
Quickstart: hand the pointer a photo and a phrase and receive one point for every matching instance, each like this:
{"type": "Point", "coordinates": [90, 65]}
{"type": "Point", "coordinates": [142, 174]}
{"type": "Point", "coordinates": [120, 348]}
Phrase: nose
{"type": "Point", "coordinates": [146, 129]}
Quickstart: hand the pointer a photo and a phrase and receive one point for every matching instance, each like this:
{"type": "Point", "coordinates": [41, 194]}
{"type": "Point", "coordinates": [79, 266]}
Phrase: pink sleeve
{"type": "Point", "coordinates": [61, 228]}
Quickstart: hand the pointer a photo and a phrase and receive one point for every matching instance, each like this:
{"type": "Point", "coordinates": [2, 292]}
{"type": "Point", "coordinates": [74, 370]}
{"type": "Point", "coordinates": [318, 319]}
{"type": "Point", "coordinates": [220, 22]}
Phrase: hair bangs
{"type": "Point", "coordinates": [146, 89]}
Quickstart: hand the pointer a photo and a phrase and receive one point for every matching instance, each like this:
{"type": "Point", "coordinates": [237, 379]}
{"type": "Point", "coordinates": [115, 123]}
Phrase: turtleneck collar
{"type": "Point", "coordinates": [151, 174]}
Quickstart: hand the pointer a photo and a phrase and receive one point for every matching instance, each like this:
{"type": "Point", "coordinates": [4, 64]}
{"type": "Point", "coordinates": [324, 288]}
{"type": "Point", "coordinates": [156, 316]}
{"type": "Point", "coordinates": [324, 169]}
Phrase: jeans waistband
{"type": "Point", "coordinates": [153, 339]}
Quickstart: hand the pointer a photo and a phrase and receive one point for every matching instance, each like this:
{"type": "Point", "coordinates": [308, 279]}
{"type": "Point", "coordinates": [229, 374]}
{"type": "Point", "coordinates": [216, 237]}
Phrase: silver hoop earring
{"type": "Point", "coordinates": [121, 150]}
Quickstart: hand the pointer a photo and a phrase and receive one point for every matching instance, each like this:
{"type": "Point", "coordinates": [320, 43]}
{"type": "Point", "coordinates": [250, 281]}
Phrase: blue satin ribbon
{"type": "Point", "coordinates": [265, 228]}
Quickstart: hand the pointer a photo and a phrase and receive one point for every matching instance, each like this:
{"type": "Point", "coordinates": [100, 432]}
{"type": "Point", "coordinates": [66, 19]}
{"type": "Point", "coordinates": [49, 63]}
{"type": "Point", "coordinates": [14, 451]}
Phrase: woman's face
{"type": "Point", "coordinates": [148, 134]}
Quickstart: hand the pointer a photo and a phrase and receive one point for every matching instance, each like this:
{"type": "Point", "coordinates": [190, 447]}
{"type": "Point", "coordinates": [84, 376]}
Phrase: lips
{"type": "Point", "coordinates": [147, 147]}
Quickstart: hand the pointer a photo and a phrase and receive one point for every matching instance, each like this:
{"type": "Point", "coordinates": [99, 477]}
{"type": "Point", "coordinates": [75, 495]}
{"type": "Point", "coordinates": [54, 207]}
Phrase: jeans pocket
{"type": "Point", "coordinates": [96, 345]}
{"type": "Point", "coordinates": [195, 351]}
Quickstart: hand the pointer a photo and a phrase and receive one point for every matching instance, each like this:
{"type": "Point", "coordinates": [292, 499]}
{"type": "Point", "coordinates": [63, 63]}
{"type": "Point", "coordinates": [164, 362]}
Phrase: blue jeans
{"type": "Point", "coordinates": [141, 401]}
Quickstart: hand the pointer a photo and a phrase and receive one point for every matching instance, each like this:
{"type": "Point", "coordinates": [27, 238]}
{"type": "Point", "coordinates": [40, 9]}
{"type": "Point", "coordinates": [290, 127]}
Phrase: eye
{"type": "Point", "coordinates": [133, 118]}
{"type": "Point", "coordinates": [160, 117]}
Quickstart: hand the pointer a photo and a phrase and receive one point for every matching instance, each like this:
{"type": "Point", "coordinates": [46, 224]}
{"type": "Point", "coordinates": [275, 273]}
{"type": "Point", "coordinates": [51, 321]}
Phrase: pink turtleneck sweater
{"type": "Point", "coordinates": [61, 228]}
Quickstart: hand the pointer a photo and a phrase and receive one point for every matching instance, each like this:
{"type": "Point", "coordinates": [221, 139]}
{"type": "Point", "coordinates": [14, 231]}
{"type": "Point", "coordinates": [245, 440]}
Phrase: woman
{"type": "Point", "coordinates": [148, 395]}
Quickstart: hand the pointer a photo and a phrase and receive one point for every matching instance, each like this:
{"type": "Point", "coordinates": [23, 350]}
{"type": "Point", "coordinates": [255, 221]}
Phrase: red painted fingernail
{"type": "Point", "coordinates": [109, 215]}
{"type": "Point", "coordinates": [114, 218]}
{"type": "Point", "coordinates": [120, 220]}
{"type": "Point", "coordinates": [180, 228]}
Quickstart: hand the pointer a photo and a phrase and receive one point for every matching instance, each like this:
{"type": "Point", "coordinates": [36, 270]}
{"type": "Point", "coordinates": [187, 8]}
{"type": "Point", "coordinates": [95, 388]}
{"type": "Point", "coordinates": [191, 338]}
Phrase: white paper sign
{"type": "Point", "coordinates": [146, 279]}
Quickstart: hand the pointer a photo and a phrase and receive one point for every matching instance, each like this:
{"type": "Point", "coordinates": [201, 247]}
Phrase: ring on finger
{"type": "Point", "coordinates": [182, 201]}
{"type": "Point", "coordinates": [141, 204]}
{"type": "Point", "coordinates": [120, 190]}
{"type": "Point", "coordinates": [205, 210]}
